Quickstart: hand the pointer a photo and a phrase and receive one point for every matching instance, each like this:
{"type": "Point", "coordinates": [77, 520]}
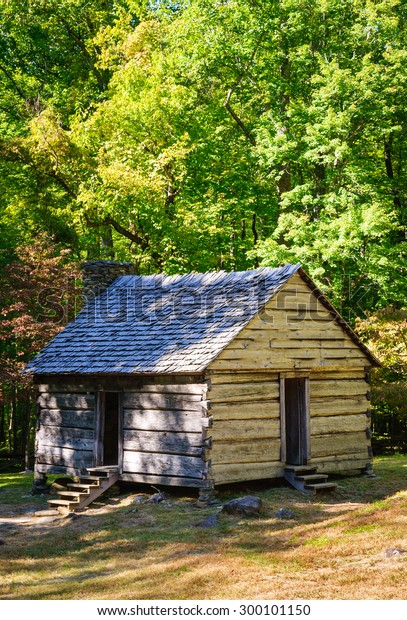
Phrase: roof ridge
{"type": "Point", "coordinates": [215, 274]}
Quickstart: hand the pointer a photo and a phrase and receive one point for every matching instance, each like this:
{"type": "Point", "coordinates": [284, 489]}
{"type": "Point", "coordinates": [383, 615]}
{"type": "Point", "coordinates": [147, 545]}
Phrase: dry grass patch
{"type": "Point", "coordinates": [116, 550]}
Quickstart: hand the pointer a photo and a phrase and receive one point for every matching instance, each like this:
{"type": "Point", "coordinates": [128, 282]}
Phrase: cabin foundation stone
{"type": "Point", "coordinates": [40, 485]}
{"type": "Point", "coordinates": [207, 497]}
{"type": "Point", "coordinates": [368, 471]}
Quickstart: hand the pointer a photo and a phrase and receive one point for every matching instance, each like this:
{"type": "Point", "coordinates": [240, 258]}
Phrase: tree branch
{"type": "Point", "coordinates": [235, 117]}
{"type": "Point", "coordinates": [133, 236]}
{"type": "Point", "coordinates": [61, 182]}
{"type": "Point", "coordinates": [110, 221]}
{"type": "Point", "coordinates": [77, 39]}
{"type": "Point", "coordinates": [14, 83]}
{"type": "Point", "coordinates": [231, 90]}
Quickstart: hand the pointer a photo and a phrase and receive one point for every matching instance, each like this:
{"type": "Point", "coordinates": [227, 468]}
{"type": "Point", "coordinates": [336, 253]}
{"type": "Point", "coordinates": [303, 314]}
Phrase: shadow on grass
{"type": "Point", "coordinates": [86, 554]}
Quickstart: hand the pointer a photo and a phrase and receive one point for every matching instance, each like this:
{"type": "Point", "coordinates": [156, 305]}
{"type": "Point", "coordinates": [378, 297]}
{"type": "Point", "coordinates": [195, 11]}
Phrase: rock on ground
{"type": "Point", "coordinates": [156, 498]}
{"type": "Point", "coordinates": [247, 506]}
{"type": "Point", "coordinates": [284, 513]}
{"type": "Point", "coordinates": [140, 499]}
{"type": "Point", "coordinates": [211, 521]}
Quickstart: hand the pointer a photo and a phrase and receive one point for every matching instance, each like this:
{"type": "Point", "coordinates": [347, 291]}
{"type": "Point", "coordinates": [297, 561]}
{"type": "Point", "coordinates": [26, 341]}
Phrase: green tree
{"type": "Point", "coordinates": [250, 131]}
{"type": "Point", "coordinates": [50, 75]}
{"type": "Point", "coordinates": [214, 134]}
{"type": "Point", "coordinates": [385, 332]}
{"type": "Point", "coordinates": [204, 135]}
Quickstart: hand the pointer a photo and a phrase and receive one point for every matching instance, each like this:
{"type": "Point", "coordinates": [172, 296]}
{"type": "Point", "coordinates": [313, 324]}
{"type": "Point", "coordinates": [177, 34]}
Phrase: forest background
{"type": "Point", "coordinates": [203, 135]}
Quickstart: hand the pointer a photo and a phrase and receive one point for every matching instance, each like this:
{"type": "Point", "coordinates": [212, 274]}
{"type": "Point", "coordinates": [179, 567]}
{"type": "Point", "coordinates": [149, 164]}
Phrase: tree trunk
{"type": "Point", "coordinates": [2, 418]}
{"type": "Point", "coordinates": [284, 180]}
{"type": "Point", "coordinates": [255, 237]}
{"type": "Point", "coordinates": [390, 172]}
{"type": "Point", "coordinates": [25, 429]}
{"type": "Point", "coordinates": [399, 235]}
{"type": "Point", "coordinates": [13, 420]}
{"type": "Point", "coordinates": [106, 239]}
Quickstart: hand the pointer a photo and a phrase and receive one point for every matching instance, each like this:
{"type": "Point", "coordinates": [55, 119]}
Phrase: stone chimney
{"type": "Point", "coordinates": [97, 275]}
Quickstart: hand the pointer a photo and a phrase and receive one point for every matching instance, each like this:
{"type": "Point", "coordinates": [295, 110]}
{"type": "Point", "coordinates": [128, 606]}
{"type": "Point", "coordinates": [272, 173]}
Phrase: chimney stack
{"type": "Point", "coordinates": [97, 275]}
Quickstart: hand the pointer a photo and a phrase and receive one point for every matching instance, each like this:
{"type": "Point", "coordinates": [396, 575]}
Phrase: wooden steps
{"type": "Point", "coordinates": [91, 485]}
{"type": "Point", "coordinates": [306, 478]}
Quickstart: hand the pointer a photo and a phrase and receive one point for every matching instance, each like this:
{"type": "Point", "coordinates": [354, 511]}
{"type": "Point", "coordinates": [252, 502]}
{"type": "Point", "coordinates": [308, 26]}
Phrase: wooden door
{"type": "Point", "coordinates": [109, 433]}
{"type": "Point", "coordinates": [296, 420]}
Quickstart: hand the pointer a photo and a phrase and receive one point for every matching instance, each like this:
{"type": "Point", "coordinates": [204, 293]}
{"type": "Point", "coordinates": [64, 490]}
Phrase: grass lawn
{"type": "Point", "coordinates": [334, 547]}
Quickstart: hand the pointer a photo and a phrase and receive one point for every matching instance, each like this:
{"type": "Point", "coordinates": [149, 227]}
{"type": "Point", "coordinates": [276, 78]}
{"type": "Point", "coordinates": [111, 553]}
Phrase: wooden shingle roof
{"type": "Point", "coordinates": [166, 324]}
{"type": "Point", "coordinates": [160, 324]}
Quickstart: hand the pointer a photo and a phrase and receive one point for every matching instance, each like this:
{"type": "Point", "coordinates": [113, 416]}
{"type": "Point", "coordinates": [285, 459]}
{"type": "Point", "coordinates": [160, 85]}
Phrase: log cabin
{"type": "Point", "coordinates": [201, 380]}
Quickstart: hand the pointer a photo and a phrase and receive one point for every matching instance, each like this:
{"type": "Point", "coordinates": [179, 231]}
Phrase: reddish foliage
{"type": "Point", "coordinates": [39, 295]}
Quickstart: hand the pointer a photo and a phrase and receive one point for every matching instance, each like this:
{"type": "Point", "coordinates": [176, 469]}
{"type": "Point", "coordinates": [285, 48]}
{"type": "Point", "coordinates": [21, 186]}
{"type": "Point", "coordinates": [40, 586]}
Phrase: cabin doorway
{"type": "Point", "coordinates": [296, 414]}
{"type": "Point", "coordinates": [109, 445]}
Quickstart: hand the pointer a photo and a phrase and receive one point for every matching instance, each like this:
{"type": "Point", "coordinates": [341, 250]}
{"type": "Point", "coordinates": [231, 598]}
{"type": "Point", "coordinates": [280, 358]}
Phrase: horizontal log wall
{"type": "Point", "coordinates": [165, 434]}
{"type": "Point", "coordinates": [237, 472]}
{"type": "Point", "coordinates": [294, 334]}
{"type": "Point", "coordinates": [340, 420]}
{"type": "Point", "coordinates": [116, 383]}
{"type": "Point", "coordinates": [65, 434]}
{"type": "Point", "coordinates": [165, 426]}
{"type": "Point", "coordinates": [246, 426]}
{"type": "Point", "coordinates": [246, 423]}
{"type": "Point", "coordinates": [246, 429]}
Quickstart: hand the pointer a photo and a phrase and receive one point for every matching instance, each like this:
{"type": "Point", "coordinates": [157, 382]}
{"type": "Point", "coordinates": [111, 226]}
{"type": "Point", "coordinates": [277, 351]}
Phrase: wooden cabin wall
{"type": "Point", "coordinates": [296, 334]}
{"type": "Point", "coordinates": [246, 426]}
{"type": "Point", "coordinates": [65, 432]}
{"type": "Point", "coordinates": [165, 434]}
{"type": "Point", "coordinates": [165, 427]}
{"type": "Point", "coordinates": [340, 420]}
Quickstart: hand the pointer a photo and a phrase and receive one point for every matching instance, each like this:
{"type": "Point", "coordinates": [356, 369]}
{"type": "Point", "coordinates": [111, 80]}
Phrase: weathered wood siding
{"type": "Point", "coordinates": [340, 420]}
{"type": "Point", "coordinates": [165, 434]}
{"type": "Point", "coordinates": [295, 334]}
{"type": "Point", "coordinates": [165, 427]}
{"type": "Point", "coordinates": [168, 436]}
{"type": "Point", "coordinates": [65, 433]}
{"type": "Point", "coordinates": [246, 426]}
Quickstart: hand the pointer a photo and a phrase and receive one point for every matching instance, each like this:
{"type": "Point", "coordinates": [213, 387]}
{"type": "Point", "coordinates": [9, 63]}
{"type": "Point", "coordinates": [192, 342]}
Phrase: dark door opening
{"type": "Point", "coordinates": [296, 420]}
{"type": "Point", "coordinates": [111, 429]}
